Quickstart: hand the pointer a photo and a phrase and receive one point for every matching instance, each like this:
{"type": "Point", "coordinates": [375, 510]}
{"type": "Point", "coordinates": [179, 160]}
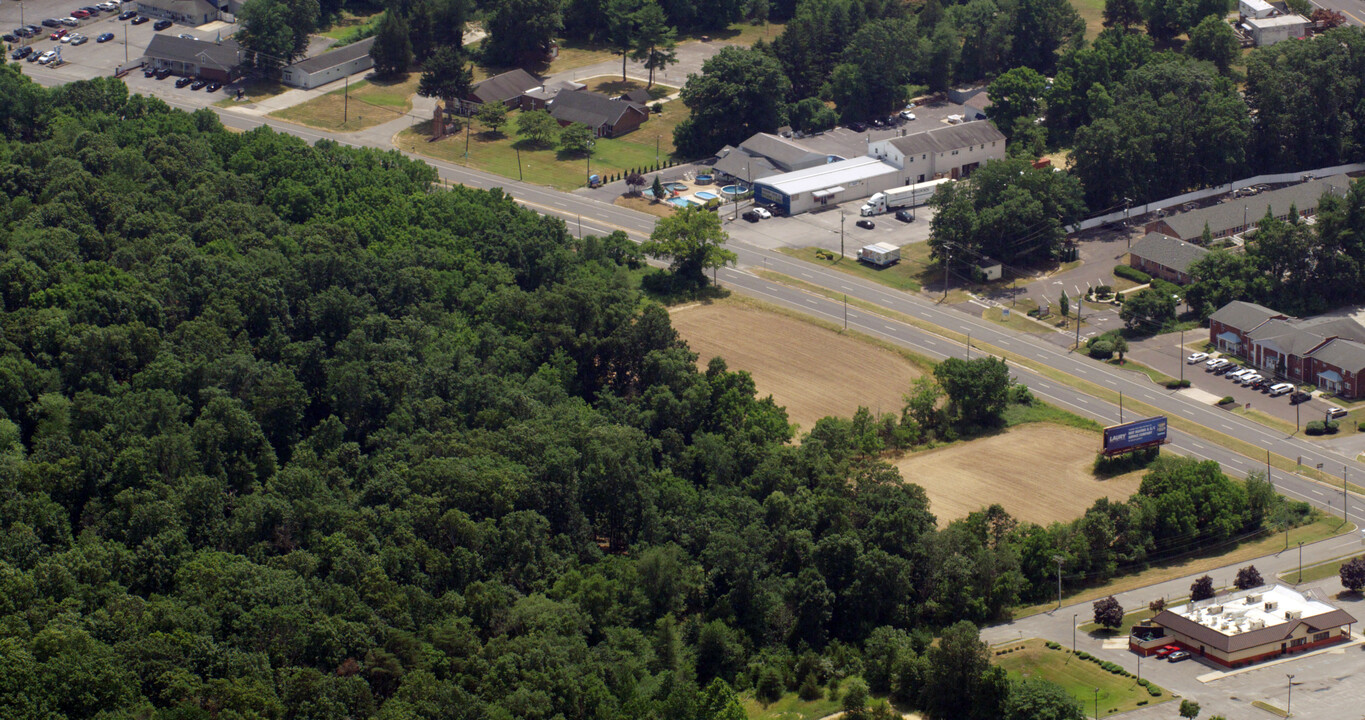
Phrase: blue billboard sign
{"type": "Point", "coordinates": [1139, 433]}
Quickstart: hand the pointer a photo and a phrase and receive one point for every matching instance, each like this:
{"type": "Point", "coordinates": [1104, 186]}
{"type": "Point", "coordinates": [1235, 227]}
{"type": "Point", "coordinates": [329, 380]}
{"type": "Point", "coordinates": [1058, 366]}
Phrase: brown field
{"type": "Point", "coordinates": [812, 371]}
{"type": "Point", "coordinates": [1039, 472]}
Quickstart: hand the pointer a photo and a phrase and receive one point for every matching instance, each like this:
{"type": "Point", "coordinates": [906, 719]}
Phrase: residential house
{"type": "Point", "coordinates": [332, 65]}
{"type": "Point", "coordinates": [1328, 352]}
{"type": "Point", "coordinates": [608, 117]}
{"type": "Point", "coordinates": [221, 61]}
{"type": "Point", "coordinates": [506, 88]}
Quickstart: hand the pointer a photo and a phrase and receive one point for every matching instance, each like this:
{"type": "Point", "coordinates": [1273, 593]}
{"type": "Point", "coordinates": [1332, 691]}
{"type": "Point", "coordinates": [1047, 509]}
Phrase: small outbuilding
{"type": "Point", "coordinates": [1270, 30]}
{"type": "Point", "coordinates": [332, 65]}
{"type": "Point", "coordinates": [988, 269]}
{"type": "Point", "coordinates": [1255, 9]}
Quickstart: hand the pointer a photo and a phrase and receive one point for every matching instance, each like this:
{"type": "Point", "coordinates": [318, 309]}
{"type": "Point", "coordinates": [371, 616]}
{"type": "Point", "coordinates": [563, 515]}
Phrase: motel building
{"type": "Point", "coordinates": [1246, 626]}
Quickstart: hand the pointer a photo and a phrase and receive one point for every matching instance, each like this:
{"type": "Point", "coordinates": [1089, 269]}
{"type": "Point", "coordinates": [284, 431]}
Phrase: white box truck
{"type": "Point", "coordinates": [880, 254]}
{"type": "Point", "coordinates": [901, 197]}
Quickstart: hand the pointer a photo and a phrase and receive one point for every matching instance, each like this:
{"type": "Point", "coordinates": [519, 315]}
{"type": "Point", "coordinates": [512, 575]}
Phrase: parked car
{"type": "Point", "coordinates": [149, 71]}
{"type": "Point", "coordinates": [81, 14]}
{"type": "Point", "coordinates": [187, 36]}
{"type": "Point", "coordinates": [104, 37]}
{"type": "Point", "coordinates": [52, 23]}
{"type": "Point", "coordinates": [1279, 389]}
{"type": "Point", "coordinates": [1215, 364]}
{"type": "Point", "coordinates": [857, 126]}
{"type": "Point", "coordinates": [47, 57]}
{"type": "Point", "coordinates": [10, 38]}
{"type": "Point", "coordinates": [67, 38]}
{"type": "Point", "coordinates": [162, 25]}
{"type": "Point", "coordinates": [750, 215]}
{"type": "Point", "coordinates": [1196, 357]}
{"type": "Point", "coordinates": [21, 53]}
{"type": "Point", "coordinates": [198, 84]}
{"type": "Point", "coordinates": [213, 86]}
{"type": "Point", "coordinates": [79, 39]}
{"type": "Point", "coordinates": [139, 20]}
{"type": "Point", "coordinates": [34, 57]}
{"type": "Point", "coordinates": [93, 10]}
{"type": "Point", "coordinates": [23, 32]}
{"type": "Point", "coordinates": [58, 34]}
{"type": "Point", "coordinates": [907, 115]}
{"type": "Point", "coordinates": [866, 224]}
{"type": "Point", "coordinates": [70, 21]}
{"type": "Point", "coordinates": [763, 213]}
{"type": "Point", "coordinates": [1167, 650]}
{"type": "Point", "coordinates": [163, 73]}
{"type": "Point", "coordinates": [1178, 656]}
{"type": "Point", "coordinates": [1299, 397]}
{"type": "Point", "coordinates": [1252, 379]}
{"type": "Point", "coordinates": [127, 15]}
{"type": "Point", "coordinates": [905, 216]}
{"type": "Point", "coordinates": [1335, 412]}
{"type": "Point", "coordinates": [107, 6]}
{"type": "Point", "coordinates": [183, 81]}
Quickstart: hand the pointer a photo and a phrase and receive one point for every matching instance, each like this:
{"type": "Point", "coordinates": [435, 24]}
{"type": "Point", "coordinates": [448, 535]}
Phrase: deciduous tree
{"type": "Point", "coordinates": [1248, 577]}
{"type": "Point", "coordinates": [492, 116]}
{"type": "Point", "coordinates": [392, 48]}
{"type": "Point", "coordinates": [738, 93]}
{"type": "Point", "coordinates": [1352, 574]}
{"type": "Point", "coordinates": [1108, 612]}
{"type": "Point", "coordinates": [692, 240]}
{"type": "Point", "coordinates": [1202, 589]}
{"type": "Point", "coordinates": [576, 139]}
{"type": "Point", "coordinates": [538, 127]}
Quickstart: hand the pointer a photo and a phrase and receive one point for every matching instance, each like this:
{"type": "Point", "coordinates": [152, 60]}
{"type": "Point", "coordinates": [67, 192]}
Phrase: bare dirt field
{"type": "Point", "coordinates": [1039, 472]}
{"type": "Point", "coordinates": [811, 371]}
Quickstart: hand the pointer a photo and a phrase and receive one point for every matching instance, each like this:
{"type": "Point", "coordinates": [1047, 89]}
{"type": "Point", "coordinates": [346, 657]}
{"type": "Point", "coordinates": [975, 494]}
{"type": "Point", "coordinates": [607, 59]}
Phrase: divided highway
{"type": "Point", "coordinates": [597, 217]}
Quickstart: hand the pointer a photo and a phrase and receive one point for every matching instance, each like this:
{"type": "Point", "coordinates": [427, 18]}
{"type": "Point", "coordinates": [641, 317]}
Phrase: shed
{"type": "Point", "coordinates": [1270, 30]}
{"type": "Point", "coordinates": [989, 269]}
{"type": "Point", "coordinates": [1255, 8]}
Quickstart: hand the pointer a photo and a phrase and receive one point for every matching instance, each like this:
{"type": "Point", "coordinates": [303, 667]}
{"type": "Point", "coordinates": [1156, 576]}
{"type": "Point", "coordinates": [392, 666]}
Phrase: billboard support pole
{"type": "Point", "coordinates": [1120, 407]}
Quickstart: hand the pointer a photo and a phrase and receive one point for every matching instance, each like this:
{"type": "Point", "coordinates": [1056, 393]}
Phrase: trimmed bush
{"type": "Point", "coordinates": [1102, 350]}
{"type": "Point", "coordinates": [1052, 645]}
{"type": "Point", "coordinates": [1177, 384]}
{"type": "Point", "coordinates": [1132, 273]}
{"type": "Point", "coordinates": [1315, 427]}
{"type": "Point", "coordinates": [1227, 400]}
{"type": "Point", "coordinates": [1154, 691]}
{"type": "Point", "coordinates": [1144, 682]}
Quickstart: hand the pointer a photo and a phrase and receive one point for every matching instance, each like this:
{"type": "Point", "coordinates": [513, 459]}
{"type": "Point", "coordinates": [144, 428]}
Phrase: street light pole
{"type": "Point", "coordinates": [346, 100]}
{"type": "Point", "coordinates": [1300, 562]}
{"type": "Point", "coordinates": [1289, 705]}
{"type": "Point", "coordinates": [1097, 704]}
{"type": "Point", "coordinates": [519, 177]}
{"type": "Point", "coordinates": [1074, 618]}
{"type": "Point", "coordinates": [842, 217]}
{"type": "Point", "coordinates": [1059, 559]}
{"type": "Point", "coordinates": [1178, 353]}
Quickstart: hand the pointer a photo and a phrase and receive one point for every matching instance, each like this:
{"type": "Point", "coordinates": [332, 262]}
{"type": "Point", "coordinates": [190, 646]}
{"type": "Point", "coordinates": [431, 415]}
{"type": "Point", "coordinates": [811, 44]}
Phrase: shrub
{"type": "Point", "coordinates": [1177, 384]}
{"type": "Point", "coordinates": [1331, 426]}
{"type": "Point", "coordinates": [1103, 290]}
{"type": "Point", "coordinates": [1227, 400]}
{"type": "Point", "coordinates": [1052, 645]}
{"type": "Point", "coordinates": [1315, 427]}
{"type": "Point", "coordinates": [1102, 350]}
{"type": "Point", "coordinates": [1144, 682]}
{"type": "Point", "coordinates": [1132, 273]}
{"type": "Point", "coordinates": [1154, 691]}
{"type": "Point", "coordinates": [1083, 655]}
{"type": "Point", "coordinates": [1142, 702]}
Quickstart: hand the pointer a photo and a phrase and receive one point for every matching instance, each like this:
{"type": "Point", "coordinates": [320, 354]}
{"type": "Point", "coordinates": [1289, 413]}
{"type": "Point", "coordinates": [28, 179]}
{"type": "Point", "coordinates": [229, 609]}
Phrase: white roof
{"type": "Point", "coordinates": [883, 247]}
{"type": "Point", "coordinates": [828, 176]}
{"type": "Point", "coordinates": [1257, 5]}
{"type": "Point", "coordinates": [1277, 21]}
{"type": "Point", "coordinates": [1246, 610]}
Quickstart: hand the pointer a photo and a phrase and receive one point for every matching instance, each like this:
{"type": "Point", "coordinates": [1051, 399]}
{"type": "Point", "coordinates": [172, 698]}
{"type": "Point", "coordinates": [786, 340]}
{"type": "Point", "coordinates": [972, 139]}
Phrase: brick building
{"type": "Point", "coordinates": [1165, 257]}
{"type": "Point", "coordinates": [1328, 352]}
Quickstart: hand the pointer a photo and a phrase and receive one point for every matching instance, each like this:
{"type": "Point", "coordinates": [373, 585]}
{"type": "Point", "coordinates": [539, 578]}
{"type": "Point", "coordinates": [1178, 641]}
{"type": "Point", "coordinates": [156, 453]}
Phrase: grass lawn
{"type": "Point", "coordinates": [1129, 620]}
{"type": "Point", "coordinates": [912, 273]}
{"type": "Point", "coordinates": [1266, 544]}
{"type": "Point", "coordinates": [1078, 677]}
{"type": "Point", "coordinates": [1316, 572]}
{"type": "Point", "coordinates": [256, 90]}
{"type": "Point", "coordinates": [1157, 377]}
{"type": "Point", "coordinates": [791, 707]}
{"type": "Point", "coordinates": [1018, 321]}
{"type": "Point", "coordinates": [349, 23]}
{"type": "Point", "coordinates": [546, 165]}
{"type": "Point", "coordinates": [645, 205]}
{"type": "Point", "coordinates": [1092, 12]}
{"type": "Point", "coordinates": [370, 103]}
{"type": "Point", "coordinates": [1016, 415]}
{"type": "Point", "coordinates": [614, 86]}
{"type": "Point", "coordinates": [1270, 421]}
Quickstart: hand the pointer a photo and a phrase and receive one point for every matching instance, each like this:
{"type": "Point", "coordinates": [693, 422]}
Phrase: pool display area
{"type": "Point", "coordinates": [683, 202]}
{"type": "Point", "coordinates": [704, 195]}
{"type": "Point", "coordinates": [704, 179]}
{"type": "Point", "coordinates": [733, 190]}
{"type": "Point", "coordinates": [672, 186]}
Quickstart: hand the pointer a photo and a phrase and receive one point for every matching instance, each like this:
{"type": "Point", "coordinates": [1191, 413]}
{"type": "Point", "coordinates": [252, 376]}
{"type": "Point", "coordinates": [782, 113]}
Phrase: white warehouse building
{"type": "Point", "coordinates": [946, 152]}
{"type": "Point", "coordinates": [826, 185]}
{"type": "Point", "coordinates": [332, 65]}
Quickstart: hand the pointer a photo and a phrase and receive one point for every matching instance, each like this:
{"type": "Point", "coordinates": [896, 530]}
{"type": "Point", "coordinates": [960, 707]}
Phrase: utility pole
{"type": "Point", "coordinates": [947, 262]}
{"type": "Point", "coordinates": [842, 217]}
{"type": "Point", "coordinates": [467, 125]}
{"type": "Point", "coordinates": [1127, 235]}
{"type": "Point", "coordinates": [1059, 559]}
{"type": "Point", "coordinates": [346, 101]}
{"type": "Point", "coordinates": [1345, 498]}
{"type": "Point", "coordinates": [845, 312]}
{"type": "Point", "coordinates": [519, 177]}
{"type": "Point", "coordinates": [1078, 325]}
{"type": "Point", "coordinates": [1074, 618]}
{"type": "Point", "coordinates": [1300, 562]}
{"type": "Point", "coordinates": [1178, 353]}
{"type": "Point", "coordinates": [1267, 467]}
{"type": "Point", "coordinates": [1289, 705]}
{"type": "Point", "coordinates": [1120, 406]}
{"type": "Point", "coordinates": [580, 226]}
{"type": "Point", "coordinates": [969, 354]}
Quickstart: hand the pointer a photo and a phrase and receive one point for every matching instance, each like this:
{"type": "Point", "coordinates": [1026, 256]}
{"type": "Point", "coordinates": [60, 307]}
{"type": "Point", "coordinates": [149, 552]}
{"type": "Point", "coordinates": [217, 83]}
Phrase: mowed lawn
{"type": "Point", "coordinates": [547, 165]}
{"type": "Point", "coordinates": [1078, 677]}
{"type": "Point", "coordinates": [912, 272]}
{"type": "Point", "coordinates": [370, 102]}
{"type": "Point", "coordinates": [1039, 472]}
{"type": "Point", "coordinates": [1092, 12]}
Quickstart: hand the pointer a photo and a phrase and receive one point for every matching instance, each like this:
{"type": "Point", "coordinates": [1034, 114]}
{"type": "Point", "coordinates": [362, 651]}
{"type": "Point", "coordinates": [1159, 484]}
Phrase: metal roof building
{"type": "Point", "coordinates": [824, 185]}
{"type": "Point", "coordinates": [331, 65]}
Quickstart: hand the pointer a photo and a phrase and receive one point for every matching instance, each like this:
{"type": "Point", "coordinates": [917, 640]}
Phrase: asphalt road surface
{"type": "Point", "coordinates": [1354, 10]}
{"type": "Point", "coordinates": [597, 217]}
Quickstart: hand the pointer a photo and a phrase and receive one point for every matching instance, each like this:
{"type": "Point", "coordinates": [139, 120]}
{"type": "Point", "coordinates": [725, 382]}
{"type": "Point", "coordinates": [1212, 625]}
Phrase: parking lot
{"type": "Point", "coordinates": [94, 59]}
{"type": "Point", "coordinates": [822, 229]}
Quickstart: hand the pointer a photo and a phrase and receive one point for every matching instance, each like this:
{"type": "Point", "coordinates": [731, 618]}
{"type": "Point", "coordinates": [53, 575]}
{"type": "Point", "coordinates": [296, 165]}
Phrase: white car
{"type": "Point", "coordinates": [907, 115]}
{"type": "Point", "coordinates": [1214, 364]}
{"type": "Point", "coordinates": [47, 57]}
{"type": "Point", "coordinates": [1251, 379]}
{"type": "Point", "coordinates": [70, 21]}
{"type": "Point", "coordinates": [107, 6]}
{"type": "Point", "coordinates": [1280, 389]}
{"type": "Point", "coordinates": [1196, 357]}
{"type": "Point", "coordinates": [1335, 412]}
{"type": "Point", "coordinates": [1238, 374]}
{"type": "Point", "coordinates": [66, 38]}
{"type": "Point", "coordinates": [762, 212]}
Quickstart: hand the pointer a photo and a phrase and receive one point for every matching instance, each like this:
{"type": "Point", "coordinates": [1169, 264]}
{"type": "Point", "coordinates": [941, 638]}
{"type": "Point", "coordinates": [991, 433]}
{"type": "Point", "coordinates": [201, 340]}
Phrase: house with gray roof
{"type": "Point", "coordinates": [1230, 325]}
{"type": "Point", "coordinates": [951, 151]}
{"type": "Point", "coordinates": [331, 65]}
{"type": "Point", "coordinates": [1165, 257]}
{"type": "Point", "coordinates": [608, 117]}
{"type": "Point", "coordinates": [1237, 215]}
{"type": "Point", "coordinates": [539, 98]}
{"type": "Point", "coordinates": [221, 61]}
{"type": "Point", "coordinates": [506, 88]}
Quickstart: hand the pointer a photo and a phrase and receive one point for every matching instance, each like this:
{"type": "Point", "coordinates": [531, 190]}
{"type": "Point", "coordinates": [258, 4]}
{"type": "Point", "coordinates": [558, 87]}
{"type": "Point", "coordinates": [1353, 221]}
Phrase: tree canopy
{"type": "Point", "coordinates": [739, 92]}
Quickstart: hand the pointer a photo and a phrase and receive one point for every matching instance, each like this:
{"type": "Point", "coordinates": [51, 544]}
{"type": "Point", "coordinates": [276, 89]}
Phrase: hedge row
{"type": "Point", "coordinates": [1319, 427]}
{"type": "Point", "coordinates": [1132, 273]}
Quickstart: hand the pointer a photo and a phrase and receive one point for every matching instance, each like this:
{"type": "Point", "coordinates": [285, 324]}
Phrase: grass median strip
{"type": "Point", "coordinates": [1312, 573]}
{"type": "Point", "coordinates": [1236, 445]}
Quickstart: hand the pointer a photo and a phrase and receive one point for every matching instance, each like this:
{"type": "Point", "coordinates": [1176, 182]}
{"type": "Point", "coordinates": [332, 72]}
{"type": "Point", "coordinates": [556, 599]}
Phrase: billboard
{"type": "Point", "coordinates": [1137, 434]}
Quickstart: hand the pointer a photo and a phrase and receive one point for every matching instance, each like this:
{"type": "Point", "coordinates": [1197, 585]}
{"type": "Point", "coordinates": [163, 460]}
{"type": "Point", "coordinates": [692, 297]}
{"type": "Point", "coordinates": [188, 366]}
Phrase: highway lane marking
{"type": "Point", "coordinates": [1195, 444]}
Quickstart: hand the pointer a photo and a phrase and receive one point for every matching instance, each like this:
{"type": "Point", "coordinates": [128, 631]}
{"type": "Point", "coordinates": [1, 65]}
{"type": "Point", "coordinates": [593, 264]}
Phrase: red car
{"type": "Point", "coordinates": [58, 35]}
{"type": "Point", "coordinates": [80, 14]}
{"type": "Point", "coordinates": [1167, 650]}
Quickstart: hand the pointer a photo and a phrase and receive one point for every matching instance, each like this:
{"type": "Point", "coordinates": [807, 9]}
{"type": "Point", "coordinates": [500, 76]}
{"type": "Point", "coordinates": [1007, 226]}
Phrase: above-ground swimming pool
{"type": "Point", "coordinates": [734, 189]}
{"type": "Point", "coordinates": [704, 179]}
{"type": "Point", "coordinates": [704, 195]}
{"type": "Point", "coordinates": [680, 202]}
{"type": "Point", "coordinates": [676, 186]}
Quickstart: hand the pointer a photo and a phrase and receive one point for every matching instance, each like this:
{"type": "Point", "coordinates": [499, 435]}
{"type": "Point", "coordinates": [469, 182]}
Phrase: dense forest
{"type": "Point", "coordinates": [293, 432]}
